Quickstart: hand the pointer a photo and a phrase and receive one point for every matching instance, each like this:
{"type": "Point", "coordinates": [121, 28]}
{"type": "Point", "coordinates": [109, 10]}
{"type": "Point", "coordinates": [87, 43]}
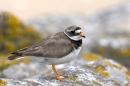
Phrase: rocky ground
{"type": "Point", "coordinates": [91, 70]}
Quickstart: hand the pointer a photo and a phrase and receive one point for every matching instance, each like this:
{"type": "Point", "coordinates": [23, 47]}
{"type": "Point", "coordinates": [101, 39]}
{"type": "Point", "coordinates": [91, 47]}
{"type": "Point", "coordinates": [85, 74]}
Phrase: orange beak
{"type": "Point", "coordinates": [82, 35]}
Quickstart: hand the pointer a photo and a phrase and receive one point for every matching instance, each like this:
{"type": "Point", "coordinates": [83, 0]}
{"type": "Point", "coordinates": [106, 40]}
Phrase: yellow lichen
{"type": "Point", "coordinates": [72, 77]}
{"type": "Point", "coordinates": [14, 35]}
{"type": "Point", "coordinates": [3, 83]}
{"type": "Point", "coordinates": [91, 57]}
{"type": "Point", "coordinates": [118, 67]}
{"type": "Point", "coordinates": [97, 83]}
{"type": "Point", "coordinates": [127, 84]}
{"type": "Point", "coordinates": [107, 62]}
{"type": "Point", "coordinates": [125, 53]}
{"type": "Point", "coordinates": [25, 60]}
{"type": "Point", "coordinates": [80, 83]}
{"type": "Point", "coordinates": [102, 72]}
{"type": "Point", "coordinates": [127, 75]}
{"type": "Point", "coordinates": [4, 63]}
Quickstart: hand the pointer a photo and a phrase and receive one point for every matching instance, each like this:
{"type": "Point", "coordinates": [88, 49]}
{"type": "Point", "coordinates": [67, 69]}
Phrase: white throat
{"type": "Point", "coordinates": [76, 38]}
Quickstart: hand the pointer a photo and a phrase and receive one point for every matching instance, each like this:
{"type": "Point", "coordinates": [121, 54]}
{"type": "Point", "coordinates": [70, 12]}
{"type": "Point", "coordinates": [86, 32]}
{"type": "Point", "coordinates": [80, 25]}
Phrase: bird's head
{"type": "Point", "coordinates": [74, 33]}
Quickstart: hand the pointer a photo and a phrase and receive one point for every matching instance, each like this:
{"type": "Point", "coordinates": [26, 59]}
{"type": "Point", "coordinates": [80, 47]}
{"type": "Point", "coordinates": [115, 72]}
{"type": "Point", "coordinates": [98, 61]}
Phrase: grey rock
{"type": "Point", "coordinates": [75, 76]}
{"type": "Point", "coordinates": [80, 72]}
{"type": "Point", "coordinates": [22, 70]}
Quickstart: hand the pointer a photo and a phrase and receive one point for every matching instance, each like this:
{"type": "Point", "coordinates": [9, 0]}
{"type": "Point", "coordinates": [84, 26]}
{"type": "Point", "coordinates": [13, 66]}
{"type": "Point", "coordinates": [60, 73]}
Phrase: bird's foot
{"type": "Point", "coordinates": [61, 74]}
{"type": "Point", "coordinates": [59, 77]}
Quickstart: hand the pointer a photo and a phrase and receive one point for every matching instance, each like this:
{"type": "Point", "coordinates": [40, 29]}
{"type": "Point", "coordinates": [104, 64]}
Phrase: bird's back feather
{"type": "Point", "coordinates": [53, 46]}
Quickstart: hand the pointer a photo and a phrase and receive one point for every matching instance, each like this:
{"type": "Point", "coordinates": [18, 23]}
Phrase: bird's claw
{"type": "Point", "coordinates": [59, 75]}
{"type": "Point", "coordinates": [58, 78]}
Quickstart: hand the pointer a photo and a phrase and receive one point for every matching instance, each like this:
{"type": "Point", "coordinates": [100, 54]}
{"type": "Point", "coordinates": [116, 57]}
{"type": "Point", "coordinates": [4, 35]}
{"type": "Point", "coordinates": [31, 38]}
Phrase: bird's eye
{"type": "Point", "coordinates": [72, 31]}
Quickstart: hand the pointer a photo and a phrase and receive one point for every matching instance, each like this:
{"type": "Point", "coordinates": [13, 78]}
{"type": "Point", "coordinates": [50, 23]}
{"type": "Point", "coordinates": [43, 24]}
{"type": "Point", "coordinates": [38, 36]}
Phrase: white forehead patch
{"type": "Point", "coordinates": [78, 31]}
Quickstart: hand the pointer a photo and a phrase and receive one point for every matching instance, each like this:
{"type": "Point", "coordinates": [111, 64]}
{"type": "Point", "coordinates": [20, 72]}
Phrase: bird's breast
{"type": "Point", "coordinates": [66, 58]}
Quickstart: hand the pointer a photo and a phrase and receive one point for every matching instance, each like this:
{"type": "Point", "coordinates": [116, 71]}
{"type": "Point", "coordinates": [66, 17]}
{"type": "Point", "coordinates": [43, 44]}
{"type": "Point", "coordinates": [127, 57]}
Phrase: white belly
{"type": "Point", "coordinates": [55, 61]}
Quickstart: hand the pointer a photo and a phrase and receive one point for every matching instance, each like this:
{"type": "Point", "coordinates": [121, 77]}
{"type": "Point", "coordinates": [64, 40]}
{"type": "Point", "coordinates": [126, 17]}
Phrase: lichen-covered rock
{"type": "Point", "coordinates": [107, 68]}
{"type": "Point", "coordinates": [14, 35]}
{"type": "Point", "coordinates": [80, 72]}
{"type": "Point", "coordinates": [76, 76]}
{"type": "Point", "coordinates": [22, 70]}
{"type": "Point", "coordinates": [3, 83]}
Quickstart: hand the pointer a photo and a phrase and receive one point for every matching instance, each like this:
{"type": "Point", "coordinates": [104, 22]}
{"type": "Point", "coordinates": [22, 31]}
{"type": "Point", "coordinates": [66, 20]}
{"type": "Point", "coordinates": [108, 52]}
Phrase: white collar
{"type": "Point", "coordinates": [76, 38]}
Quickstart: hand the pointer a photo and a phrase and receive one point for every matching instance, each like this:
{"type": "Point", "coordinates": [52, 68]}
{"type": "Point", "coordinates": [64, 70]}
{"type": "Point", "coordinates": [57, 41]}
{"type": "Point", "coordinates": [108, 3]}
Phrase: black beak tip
{"type": "Point", "coordinates": [84, 36]}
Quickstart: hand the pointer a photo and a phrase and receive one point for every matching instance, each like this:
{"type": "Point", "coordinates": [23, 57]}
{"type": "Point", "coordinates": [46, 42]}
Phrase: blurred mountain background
{"type": "Point", "coordinates": [106, 25]}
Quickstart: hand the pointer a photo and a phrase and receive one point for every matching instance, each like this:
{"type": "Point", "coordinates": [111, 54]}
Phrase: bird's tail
{"type": "Point", "coordinates": [13, 57]}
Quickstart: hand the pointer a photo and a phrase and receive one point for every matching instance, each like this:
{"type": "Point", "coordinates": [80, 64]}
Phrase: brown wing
{"type": "Point", "coordinates": [54, 46]}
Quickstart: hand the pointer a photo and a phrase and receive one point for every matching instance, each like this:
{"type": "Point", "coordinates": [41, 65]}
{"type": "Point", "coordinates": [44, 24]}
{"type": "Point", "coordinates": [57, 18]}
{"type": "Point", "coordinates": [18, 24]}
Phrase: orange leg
{"type": "Point", "coordinates": [57, 75]}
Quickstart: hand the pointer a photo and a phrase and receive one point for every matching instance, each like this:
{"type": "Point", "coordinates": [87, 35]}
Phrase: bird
{"type": "Point", "coordinates": [53, 50]}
